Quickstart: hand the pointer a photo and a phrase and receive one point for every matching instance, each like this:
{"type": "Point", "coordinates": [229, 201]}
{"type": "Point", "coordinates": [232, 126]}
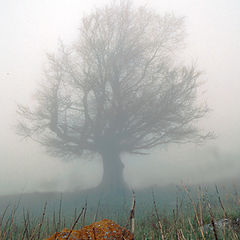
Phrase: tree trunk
{"type": "Point", "coordinates": [112, 181]}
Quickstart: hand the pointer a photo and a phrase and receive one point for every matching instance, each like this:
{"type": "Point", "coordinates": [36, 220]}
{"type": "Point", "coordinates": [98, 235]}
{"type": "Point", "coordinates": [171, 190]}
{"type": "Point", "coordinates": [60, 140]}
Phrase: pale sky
{"type": "Point", "coordinates": [30, 28]}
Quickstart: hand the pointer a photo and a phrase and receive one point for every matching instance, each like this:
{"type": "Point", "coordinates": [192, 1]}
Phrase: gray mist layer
{"type": "Point", "coordinates": [29, 29]}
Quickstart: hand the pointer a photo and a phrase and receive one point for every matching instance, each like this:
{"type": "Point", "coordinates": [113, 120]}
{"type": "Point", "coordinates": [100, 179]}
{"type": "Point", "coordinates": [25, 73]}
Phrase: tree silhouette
{"type": "Point", "coordinates": [117, 89]}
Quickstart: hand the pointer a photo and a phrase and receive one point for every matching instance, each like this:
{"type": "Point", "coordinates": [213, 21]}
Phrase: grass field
{"type": "Point", "coordinates": [196, 213]}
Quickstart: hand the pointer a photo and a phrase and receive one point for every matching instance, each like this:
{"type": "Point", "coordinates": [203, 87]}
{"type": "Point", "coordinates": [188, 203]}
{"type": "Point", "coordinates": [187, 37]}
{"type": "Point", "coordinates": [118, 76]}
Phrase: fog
{"type": "Point", "coordinates": [29, 29]}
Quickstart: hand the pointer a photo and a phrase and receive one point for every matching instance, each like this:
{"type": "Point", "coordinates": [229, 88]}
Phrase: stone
{"type": "Point", "coordinates": [104, 229]}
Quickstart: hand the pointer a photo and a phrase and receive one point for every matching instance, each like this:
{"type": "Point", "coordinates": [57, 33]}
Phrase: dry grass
{"type": "Point", "coordinates": [196, 217]}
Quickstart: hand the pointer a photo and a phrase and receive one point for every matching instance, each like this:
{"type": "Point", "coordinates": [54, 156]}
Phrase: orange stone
{"type": "Point", "coordinates": [105, 229]}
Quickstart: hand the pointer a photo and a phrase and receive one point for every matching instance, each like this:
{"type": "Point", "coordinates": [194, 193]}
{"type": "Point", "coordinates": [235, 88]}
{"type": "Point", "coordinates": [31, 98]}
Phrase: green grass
{"type": "Point", "coordinates": [193, 209]}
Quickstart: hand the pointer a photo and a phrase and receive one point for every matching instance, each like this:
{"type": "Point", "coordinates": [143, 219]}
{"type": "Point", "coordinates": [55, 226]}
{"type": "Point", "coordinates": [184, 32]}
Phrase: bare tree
{"type": "Point", "coordinates": [116, 90]}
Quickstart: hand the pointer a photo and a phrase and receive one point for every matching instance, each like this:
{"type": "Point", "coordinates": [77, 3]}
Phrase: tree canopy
{"type": "Point", "coordinates": [117, 87]}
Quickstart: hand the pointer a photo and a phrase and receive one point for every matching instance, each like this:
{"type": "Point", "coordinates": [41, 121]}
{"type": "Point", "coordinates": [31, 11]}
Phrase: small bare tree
{"type": "Point", "coordinates": [116, 90]}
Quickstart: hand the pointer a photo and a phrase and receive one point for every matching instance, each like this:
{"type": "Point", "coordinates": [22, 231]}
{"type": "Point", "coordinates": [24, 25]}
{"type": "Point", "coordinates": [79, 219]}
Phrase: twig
{"type": "Point", "coordinates": [2, 218]}
{"type": "Point", "coordinates": [59, 214]}
{"type": "Point", "coordinates": [132, 213]}
{"type": "Point", "coordinates": [96, 215]}
{"type": "Point", "coordinates": [195, 211]}
{"type": "Point", "coordinates": [84, 214]}
{"type": "Point", "coordinates": [25, 226]}
{"type": "Point", "coordinates": [220, 201]}
{"type": "Point", "coordinates": [213, 222]}
{"type": "Point", "coordinates": [131, 218]}
{"type": "Point", "coordinates": [200, 206]}
{"type": "Point", "coordinates": [75, 223]}
{"type": "Point", "coordinates": [41, 222]}
{"type": "Point", "coordinates": [40, 225]}
{"type": "Point", "coordinates": [157, 215]}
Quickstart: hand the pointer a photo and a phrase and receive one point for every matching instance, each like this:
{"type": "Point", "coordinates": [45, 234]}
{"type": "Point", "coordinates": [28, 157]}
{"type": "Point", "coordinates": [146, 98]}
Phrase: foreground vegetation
{"type": "Point", "coordinates": [196, 214]}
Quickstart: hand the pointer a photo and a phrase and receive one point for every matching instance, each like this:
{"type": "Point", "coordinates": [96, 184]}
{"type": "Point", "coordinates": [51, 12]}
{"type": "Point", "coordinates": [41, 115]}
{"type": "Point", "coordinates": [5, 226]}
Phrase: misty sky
{"type": "Point", "coordinates": [30, 28]}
